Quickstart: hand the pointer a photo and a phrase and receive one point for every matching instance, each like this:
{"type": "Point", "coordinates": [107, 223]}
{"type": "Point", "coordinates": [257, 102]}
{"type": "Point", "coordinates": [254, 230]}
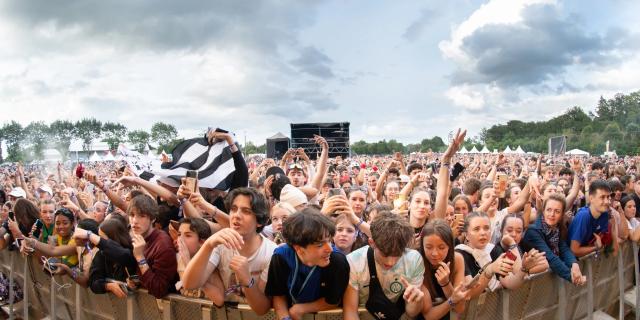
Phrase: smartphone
{"type": "Point", "coordinates": [334, 192]}
{"type": "Point", "coordinates": [38, 230]}
{"type": "Point", "coordinates": [510, 255]}
{"type": "Point", "coordinates": [502, 185]}
{"type": "Point", "coordinates": [457, 170]}
{"type": "Point", "coordinates": [473, 281]}
{"type": "Point", "coordinates": [50, 267]}
{"type": "Point", "coordinates": [190, 180]}
{"type": "Point", "coordinates": [458, 216]}
{"type": "Point", "coordinates": [12, 216]}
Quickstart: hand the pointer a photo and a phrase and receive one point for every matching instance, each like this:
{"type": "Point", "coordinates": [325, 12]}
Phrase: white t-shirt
{"type": "Point", "coordinates": [410, 266]}
{"type": "Point", "coordinates": [258, 266]}
{"type": "Point", "coordinates": [633, 223]}
{"type": "Point", "coordinates": [496, 223]}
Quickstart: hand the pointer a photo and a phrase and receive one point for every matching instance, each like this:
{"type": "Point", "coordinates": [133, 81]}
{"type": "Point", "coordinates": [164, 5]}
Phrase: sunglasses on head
{"type": "Point", "coordinates": [295, 166]}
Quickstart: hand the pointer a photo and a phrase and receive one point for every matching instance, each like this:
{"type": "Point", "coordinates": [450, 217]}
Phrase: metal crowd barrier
{"type": "Point", "coordinates": [543, 296]}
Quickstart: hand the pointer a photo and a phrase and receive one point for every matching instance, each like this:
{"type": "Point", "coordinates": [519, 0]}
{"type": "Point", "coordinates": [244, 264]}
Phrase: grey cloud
{"type": "Point", "coordinates": [539, 48]}
{"type": "Point", "coordinates": [314, 62]}
{"type": "Point", "coordinates": [416, 28]}
{"type": "Point", "coordinates": [166, 25]}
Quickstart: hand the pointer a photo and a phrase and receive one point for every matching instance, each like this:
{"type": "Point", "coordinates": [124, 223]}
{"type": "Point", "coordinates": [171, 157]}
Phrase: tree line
{"type": "Point", "coordinates": [28, 143]}
{"type": "Point", "coordinates": [616, 120]}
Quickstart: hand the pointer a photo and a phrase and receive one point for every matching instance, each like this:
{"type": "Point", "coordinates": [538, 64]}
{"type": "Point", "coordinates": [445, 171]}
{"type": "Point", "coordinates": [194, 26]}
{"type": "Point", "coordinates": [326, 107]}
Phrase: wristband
{"type": "Point", "coordinates": [511, 247]}
{"type": "Point", "coordinates": [286, 318]}
{"type": "Point", "coordinates": [451, 303]}
{"type": "Point", "coordinates": [359, 224]}
{"type": "Point", "coordinates": [89, 233]}
{"type": "Point", "coordinates": [251, 283]}
{"type": "Point", "coordinates": [446, 284]}
{"type": "Point", "coordinates": [74, 273]}
{"type": "Point", "coordinates": [142, 262]}
{"type": "Point", "coordinates": [525, 270]}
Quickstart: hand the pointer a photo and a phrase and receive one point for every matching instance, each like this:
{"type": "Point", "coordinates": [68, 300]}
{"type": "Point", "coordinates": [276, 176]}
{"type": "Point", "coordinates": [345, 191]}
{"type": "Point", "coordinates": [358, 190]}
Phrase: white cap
{"type": "Point", "coordinates": [46, 188]}
{"type": "Point", "coordinates": [292, 196]}
{"type": "Point", "coordinates": [18, 192]}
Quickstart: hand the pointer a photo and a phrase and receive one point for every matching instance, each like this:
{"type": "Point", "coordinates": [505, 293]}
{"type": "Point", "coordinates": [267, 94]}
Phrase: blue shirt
{"type": "Point", "coordinates": [584, 225]}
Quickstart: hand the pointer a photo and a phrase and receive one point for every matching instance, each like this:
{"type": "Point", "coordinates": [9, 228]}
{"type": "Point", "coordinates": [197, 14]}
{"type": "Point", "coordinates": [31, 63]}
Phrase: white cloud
{"type": "Point", "coordinates": [466, 96]}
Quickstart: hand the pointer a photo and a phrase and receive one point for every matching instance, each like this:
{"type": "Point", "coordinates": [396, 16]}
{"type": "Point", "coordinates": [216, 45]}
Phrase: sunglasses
{"type": "Point", "coordinates": [295, 166]}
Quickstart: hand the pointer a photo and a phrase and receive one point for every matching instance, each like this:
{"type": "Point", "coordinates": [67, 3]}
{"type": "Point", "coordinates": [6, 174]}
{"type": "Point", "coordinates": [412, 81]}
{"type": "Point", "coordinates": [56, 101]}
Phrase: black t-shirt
{"type": "Point", "coordinates": [471, 267]}
{"type": "Point", "coordinates": [636, 199]}
{"type": "Point", "coordinates": [334, 279]}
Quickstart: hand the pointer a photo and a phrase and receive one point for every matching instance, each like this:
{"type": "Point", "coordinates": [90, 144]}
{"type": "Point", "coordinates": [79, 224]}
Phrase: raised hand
{"type": "Point", "coordinates": [457, 141]}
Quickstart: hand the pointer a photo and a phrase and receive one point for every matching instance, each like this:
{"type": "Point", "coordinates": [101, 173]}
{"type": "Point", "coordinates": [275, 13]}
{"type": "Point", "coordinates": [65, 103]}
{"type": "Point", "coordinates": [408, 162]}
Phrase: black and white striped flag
{"type": "Point", "coordinates": [214, 164]}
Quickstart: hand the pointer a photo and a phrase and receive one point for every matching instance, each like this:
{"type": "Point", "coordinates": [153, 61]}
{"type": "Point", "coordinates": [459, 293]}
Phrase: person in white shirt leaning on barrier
{"type": "Point", "coordinates": [386, 276]}
{"type": "Point", "coordinates": [240, 253]}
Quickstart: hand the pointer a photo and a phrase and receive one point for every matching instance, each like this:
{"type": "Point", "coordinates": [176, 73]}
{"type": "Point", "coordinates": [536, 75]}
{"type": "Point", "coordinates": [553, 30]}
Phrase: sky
{"type": "Point", "coordinates": [403, 70]}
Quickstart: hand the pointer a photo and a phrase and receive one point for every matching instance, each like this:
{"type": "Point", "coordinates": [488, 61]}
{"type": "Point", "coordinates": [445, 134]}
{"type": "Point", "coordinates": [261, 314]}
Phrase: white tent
{"type": "Point", "coordinates": [463, 150]}
{"type": "Point", "coordinates": [474, 150]}
{"type": "Point", "coordinates": [485, 150]}
{"type": "Point", "coordinates": [519, 150]}
{"type": "Point", "coordinates": [577, 152]}
{"type": "Point", "coordinates": [109, 157]}
{"type": "Point", "coordinates": [52, 155]}
{"type": "Point", "coordinates": [95, 157]}
{"type": "Point", "coordinates": [507, 150]}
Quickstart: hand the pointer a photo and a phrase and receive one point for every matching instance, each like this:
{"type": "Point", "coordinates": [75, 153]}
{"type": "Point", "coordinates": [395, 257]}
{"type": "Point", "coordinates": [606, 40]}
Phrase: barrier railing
{"type": "Point", "coordinates": [543, 296]}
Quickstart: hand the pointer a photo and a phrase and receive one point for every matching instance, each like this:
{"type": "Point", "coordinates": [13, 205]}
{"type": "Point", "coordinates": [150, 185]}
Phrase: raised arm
{"type": "Point", "coordinates": [576, 165]}
{"type": "Point", "coordinates": [322, 163]}
{"type": "Point", "coordinates": [442, 189]}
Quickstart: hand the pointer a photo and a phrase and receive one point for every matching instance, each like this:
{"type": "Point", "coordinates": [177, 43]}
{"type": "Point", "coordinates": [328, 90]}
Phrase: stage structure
{"type": "Point", "coordinates": [277, 146]}
{"type": "Point", "coordinates": [557, 145]}
{"type": "Point", "coordinates": [336, 134]}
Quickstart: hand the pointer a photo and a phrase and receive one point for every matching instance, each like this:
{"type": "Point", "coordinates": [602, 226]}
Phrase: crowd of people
{"type": "Point", "coordinates": [404, 236]}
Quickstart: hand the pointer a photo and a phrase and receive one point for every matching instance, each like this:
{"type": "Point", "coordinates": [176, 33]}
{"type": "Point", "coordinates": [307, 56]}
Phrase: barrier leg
{"type": "Point", "coordinates": [130, 302]}
{"type": "Point", "coordinates": [25, 289]}
{"type": "Point", "coordinates": [504, 295]}
{"type": "Point", "coordinates": [620, 286]}
{"type": "Point", "coordinates": [11, 293]}
{"type": "Point", "coordinates": [590, 288]}
{"type": "Point", "coordinates": [52, 291]}
{"type": "Point", "coordinates": [562, 299]}
{"type": "Point", "coordinates": [78, 303]}
{"type": "Point", "coordinates": [637, 271]}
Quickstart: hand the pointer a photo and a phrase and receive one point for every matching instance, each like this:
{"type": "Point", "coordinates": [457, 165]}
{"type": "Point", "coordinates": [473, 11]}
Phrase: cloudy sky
{"type": "Point", "coordinates": [400, 70]}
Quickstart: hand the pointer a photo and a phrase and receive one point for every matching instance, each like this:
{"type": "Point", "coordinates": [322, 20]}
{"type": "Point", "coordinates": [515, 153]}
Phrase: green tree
{"type": "Point", "coordinates": [163, 133]}
{"type": "Point", "coordinates": [61, 132]}
{"type": "Point", "coordinates": [139, 138]}
{"type": "Point", "coordinates": [13, 134]}
{"type": "Point", "coordinates": [37, 134]}
{"type": "Point", "coordinates": [88, 130]}
{"type": "Point", "coordinates": [113, 134]}
{"type": "Point", "coordinates": [251, 148]}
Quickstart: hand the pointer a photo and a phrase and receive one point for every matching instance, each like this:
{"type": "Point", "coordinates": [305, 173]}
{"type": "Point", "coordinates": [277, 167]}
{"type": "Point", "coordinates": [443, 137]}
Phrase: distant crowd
{"type": "Point", "coordinates": [404, 236]}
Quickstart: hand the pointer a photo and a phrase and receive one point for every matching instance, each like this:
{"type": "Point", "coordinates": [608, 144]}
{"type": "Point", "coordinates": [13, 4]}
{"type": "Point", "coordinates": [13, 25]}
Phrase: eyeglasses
{"type": "Point", "coordinates": [361, 188]}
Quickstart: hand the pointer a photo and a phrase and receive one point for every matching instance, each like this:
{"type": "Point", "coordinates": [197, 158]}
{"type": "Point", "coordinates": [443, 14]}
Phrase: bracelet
{"type": "Point", "coordinates": [446, 284]}
{"type": "Point", "coordinates": [74, 273]}
{"type": "Point", "coordinates": [525, 270]}
{"type": "Point", "coordinates": [359, 224]}
{"type": "Point", "coordinates": [286, 318]}
{"type": "Point", "coordinates": [142, 262]}
{"type": "Point", "coordinates": [89, 233]}
{"type": "Point", "coordinates": [451, 303]}
{"type": "Point", "coordinates": [251, 283]}
{"type": "Point", "coordinates": [511, 247]}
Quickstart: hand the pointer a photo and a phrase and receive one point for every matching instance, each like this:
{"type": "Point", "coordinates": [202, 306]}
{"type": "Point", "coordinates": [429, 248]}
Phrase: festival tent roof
{"type": "Point", "coordinates": [507, 150]}
{"type": "Point", "coordinates": [474, 150]}
{"type": "Point", "coordinates": [519, 150]}
{"type": "Point", "coordinates": [95, 157]}
{"type": "Point", "coordinates": [485, 150]}
{"type": "Point", "coordinates": [109, 157]}
{"type": "Point", "coordinates": [463, 150]}
{"type": "Point", "coordinates": [577, 152]}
